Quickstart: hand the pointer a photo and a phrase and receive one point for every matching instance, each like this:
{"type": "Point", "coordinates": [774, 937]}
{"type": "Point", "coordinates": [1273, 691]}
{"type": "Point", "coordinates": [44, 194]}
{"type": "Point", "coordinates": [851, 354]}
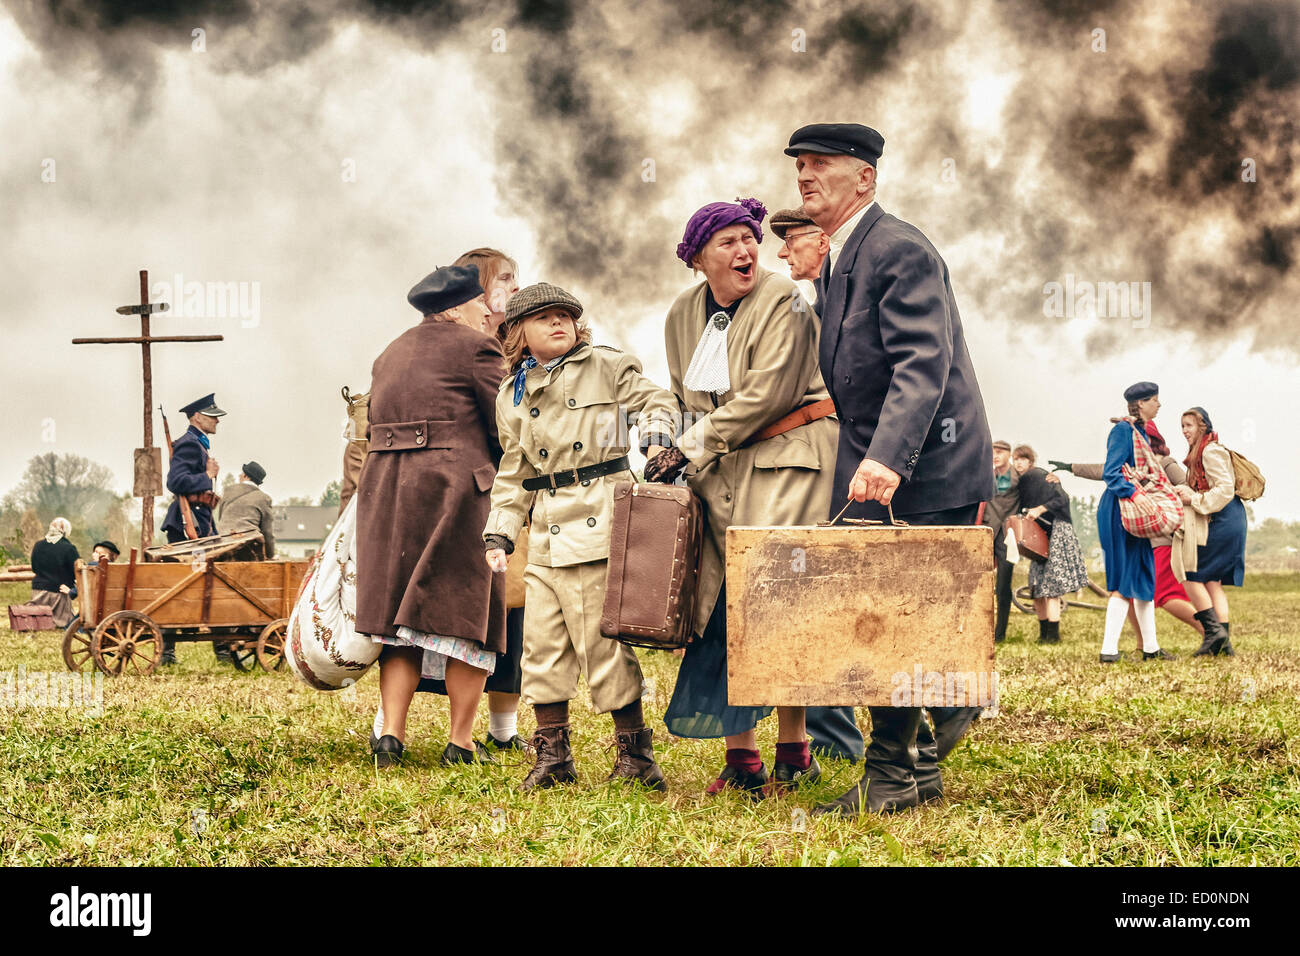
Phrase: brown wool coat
{"type": "Point", "coordinates": [423, 496]}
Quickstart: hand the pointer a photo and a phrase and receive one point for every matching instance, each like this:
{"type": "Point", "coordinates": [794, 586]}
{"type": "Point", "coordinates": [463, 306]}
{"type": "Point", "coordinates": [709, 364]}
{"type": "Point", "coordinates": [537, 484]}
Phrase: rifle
{"type": "Point", "coordinates": [187, 516]}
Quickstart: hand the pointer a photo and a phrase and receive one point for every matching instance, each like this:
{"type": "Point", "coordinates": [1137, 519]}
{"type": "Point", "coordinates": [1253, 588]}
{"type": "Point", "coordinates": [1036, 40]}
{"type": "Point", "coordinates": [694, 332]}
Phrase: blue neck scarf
{"type": "Point", "coordinates": [529, 362]}
{"type": "Point", "coordinates": [203, 439]}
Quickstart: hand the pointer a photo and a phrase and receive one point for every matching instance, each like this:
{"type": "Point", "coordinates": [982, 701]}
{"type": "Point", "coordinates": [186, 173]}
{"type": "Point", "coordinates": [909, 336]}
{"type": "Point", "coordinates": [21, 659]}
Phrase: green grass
{"type": "Point", "coordinates": [1191, 762]}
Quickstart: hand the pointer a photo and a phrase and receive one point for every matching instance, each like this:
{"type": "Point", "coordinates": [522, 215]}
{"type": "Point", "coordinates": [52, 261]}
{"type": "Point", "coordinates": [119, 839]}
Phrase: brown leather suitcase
{"type": "Point", "coordinates": [654, 565]}
{"type": "Point", "coordinates": [1030, 537]}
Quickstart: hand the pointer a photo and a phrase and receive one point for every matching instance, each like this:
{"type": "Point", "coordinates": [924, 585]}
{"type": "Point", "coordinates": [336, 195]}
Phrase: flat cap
{"type": "Point", "coordinates": [109, 545]}
{"type": "Point", "coordinates": [255, 472]}
{"type": "Point", "coordinates": [207, 405]}
{"type": "Point", "coordinates": [1140, 390]}
{"type": "Point", "coordinates": [535, 298]}
{"type": "Point", "coordinates": [783, 220]}
{"type": "Point", "coordinates": [851, 139]}
{"type": "Point", "coordinates": [1004, 445]}
{"type": "Point", "coordinates": [445, 288]}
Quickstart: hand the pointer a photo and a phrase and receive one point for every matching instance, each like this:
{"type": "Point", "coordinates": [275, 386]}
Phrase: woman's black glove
{"type": "Point", "coordinates": [665, 466]}
{"type": "Point", "coordinates": [1060, 465]}
{"type": "Point", "coordinates": [491, 541]}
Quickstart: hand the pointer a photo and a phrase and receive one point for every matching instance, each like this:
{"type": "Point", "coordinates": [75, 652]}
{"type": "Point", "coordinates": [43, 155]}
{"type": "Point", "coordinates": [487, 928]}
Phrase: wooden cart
{"type": "Point", "coordinates": [127, 609]}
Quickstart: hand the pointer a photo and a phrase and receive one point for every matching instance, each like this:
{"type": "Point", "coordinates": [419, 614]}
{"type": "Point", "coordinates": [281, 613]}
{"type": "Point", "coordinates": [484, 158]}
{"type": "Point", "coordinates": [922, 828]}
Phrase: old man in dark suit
{"type": "Point", "coordinates": [913, 433]}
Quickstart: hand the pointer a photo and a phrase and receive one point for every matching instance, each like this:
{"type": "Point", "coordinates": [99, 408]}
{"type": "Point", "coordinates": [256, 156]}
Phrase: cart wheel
{"type": "Point", "coordinates": [76, 645]}
{"type": "Point", "coordinates": [270, 645]}
{"type": "Point", "coordinates": [243, 654]}
{"type": "Point", "coordinates": [127, 642]}
{"type": "Point", "coordinates": [1023, 602]}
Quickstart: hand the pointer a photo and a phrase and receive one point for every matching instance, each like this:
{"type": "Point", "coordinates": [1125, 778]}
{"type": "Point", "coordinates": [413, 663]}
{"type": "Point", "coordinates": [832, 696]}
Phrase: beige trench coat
{"type": "Point", "coordinates": [570, 417]}
{"type": "Point", "coordinates": [772, 361]}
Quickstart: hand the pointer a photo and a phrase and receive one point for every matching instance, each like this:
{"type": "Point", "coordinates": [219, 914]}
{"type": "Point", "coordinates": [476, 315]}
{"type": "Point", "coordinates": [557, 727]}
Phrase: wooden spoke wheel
{"type": "Point", "coordinates": [127, 642]}
{"type": "Point", "coordinates": [76, 645]}
{"type": "Point", "coordinates": [270, 645]}
{"type": "Point", "coordinates": [243, 654]}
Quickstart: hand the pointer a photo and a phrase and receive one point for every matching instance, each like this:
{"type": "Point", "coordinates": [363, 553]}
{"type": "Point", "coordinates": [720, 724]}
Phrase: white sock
{"type": "Point", "coordinates": [503, 726]}
{"type": "Point", "coordinates": [378, 725]}
{"type": "Point", "coordinates": [1146, 615]}
{"type": "Point", "coordinates": [1116, 615]}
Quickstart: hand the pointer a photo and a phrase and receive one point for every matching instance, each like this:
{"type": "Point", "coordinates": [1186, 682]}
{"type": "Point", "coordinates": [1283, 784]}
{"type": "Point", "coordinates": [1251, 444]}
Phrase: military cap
{"type": "Point", "coordinates": [254, 472]}
{"type": "Point", "coordinates": [445, 288]}
{"type": "Point", "coordinates": [783, 220]}
{"type": "Point", "coordinates": [535, 298]}
{"type": "Point", "coordinates": [1140, 390]}
{"type": "Point", "coordinates": [206, 405]}
{"type": "Point", "coordinates": [850, 139]}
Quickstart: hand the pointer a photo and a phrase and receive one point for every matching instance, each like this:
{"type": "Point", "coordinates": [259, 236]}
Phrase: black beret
{"type": "Point", "coordinates": [851, 139]}
{"type": "Point", "coordinates": [1140, 390]}
{"type": "Point", "coordinates": [207, 405]}
{"type": "Point", "coordinates": [444, 289]}
{"type": "Point", "coordinates": [255, 472]}
{"type": "Point", "coordinates": [109, 545]}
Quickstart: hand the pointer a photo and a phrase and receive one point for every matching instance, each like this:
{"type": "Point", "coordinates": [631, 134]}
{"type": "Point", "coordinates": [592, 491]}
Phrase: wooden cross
{"type": "Point", "coordinates": [148, 460]}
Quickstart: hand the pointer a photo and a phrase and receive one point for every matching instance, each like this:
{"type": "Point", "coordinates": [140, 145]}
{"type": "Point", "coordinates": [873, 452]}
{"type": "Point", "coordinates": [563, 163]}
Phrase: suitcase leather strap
{"type": "Point", "coordinates": [562, 479]}
{"type": "Point", "coordinates": [800, 416]}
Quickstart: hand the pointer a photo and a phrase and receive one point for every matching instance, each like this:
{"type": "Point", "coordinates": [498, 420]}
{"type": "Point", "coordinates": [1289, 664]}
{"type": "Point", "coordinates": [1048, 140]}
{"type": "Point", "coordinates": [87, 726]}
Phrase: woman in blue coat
{"type": "Point", "coordinates": [1130, 564]}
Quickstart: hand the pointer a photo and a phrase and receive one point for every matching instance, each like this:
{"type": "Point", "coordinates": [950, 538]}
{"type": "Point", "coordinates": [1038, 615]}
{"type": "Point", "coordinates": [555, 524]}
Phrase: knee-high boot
{"type": "Point", "coordinates": [889, 781]}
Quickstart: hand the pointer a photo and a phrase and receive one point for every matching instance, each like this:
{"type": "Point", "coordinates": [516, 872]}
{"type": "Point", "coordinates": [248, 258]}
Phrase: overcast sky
{"type": "Point", "coordinates": [329, 159]}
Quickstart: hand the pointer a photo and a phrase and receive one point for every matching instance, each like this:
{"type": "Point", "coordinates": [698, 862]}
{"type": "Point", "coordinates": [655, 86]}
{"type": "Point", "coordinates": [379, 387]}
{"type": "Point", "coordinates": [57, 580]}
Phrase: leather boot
{"type": "Point", "coordinates": [636, 759]}
{"type": "Point", "coordinates": [168, 654]}
{"type": "Point", "coordinates": [929, 782]}
{"type": "Point", "coordinates": [1226, 649]}
{"type": "Point", "coordinates": [1215, 633]}
{"type": "Point", "coordinates": [888, 783]}
{"type": "Point", "coordinates": [1049, 632]}
{"type": "Point", "coordinates": [950, 724]}
{"type": "Point", "coordinates": [554, 759]}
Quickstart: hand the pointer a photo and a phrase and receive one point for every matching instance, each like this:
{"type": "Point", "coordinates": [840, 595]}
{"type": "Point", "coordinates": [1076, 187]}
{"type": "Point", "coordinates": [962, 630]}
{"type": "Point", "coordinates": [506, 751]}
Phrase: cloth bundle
{"type": "Point", "coordinates": [323, 647]}
{"type": "Point", "coordinates": [1155, 510]}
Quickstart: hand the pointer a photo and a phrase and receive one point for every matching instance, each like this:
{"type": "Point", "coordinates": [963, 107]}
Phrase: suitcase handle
{"type": "Point", "coordinates": [895, 522]}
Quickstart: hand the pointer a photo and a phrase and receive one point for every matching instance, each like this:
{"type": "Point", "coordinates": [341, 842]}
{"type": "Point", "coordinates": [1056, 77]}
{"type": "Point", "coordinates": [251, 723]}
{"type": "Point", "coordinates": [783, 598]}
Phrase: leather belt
{"type": "Point", "coordinates": [800, 416]}
{"type": "Point", "coordinates": [562, 479]}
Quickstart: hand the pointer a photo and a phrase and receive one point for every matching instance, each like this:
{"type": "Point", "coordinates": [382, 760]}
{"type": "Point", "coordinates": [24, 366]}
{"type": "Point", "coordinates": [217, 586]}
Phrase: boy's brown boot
{"type": "Point", "coordinates": [636, 759]}
{"type": "Point", "coordinates": [554, 759]}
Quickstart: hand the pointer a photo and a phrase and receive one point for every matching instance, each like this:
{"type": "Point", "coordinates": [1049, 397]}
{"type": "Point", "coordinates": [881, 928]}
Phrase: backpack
{"type": "Point", "coordinates": [1248, 483]}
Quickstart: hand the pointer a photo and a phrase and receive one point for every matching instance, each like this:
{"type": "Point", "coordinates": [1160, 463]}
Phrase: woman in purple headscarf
{"type": "Point", "coordinates": [742, 352]}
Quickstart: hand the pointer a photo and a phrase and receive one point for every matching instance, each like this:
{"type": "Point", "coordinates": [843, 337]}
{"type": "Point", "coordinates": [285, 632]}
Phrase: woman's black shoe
{"type": "Point", "coordinates": [453, 755]}
{"type": "Point", "coordinates": [387, 752]}
{"type": "Point", "coordinates": [1108, 658]}
{"type": "Point", "coordinates": [514, 743]}
{"type": "Point", "coordinates": [1216, 635]}
{"type": "Point", "coordinates": [732, 778]}
{"type": "Point", "coordinates": [1159, 652]}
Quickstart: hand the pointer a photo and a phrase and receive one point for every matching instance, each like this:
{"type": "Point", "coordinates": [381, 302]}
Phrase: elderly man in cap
{"type": "Point", "coordinates": [803, 247]}
{"type": "Point", "coordinates": [246, 507]}
{"type": "Point", "coordinates": [193, 470]}
{"type": "Point", "coordinates": [913, 433]}
{"type": "Point", "coordinates": [1005, 503]}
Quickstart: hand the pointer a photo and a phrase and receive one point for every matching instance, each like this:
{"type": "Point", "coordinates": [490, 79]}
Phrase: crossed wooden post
{"type": "Point", "coordinates": [148, 460]}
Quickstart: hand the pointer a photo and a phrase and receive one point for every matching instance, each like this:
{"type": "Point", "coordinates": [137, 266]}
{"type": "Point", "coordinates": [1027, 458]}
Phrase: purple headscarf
{"type": "Point", "coordinates": [718, 215]}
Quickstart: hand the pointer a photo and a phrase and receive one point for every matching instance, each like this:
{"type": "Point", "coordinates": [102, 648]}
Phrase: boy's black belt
{"type": "Point", "coordinates": [562, 479]}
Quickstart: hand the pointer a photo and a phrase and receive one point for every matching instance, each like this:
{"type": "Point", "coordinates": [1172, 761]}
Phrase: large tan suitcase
{"type": "Point", "coordinates": [861, 614]}
{"type": "Point", "coordinates": [654, 561]}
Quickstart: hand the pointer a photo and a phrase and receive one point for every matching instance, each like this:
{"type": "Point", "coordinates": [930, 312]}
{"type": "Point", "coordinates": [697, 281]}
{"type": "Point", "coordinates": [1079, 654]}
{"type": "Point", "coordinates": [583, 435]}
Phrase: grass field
{"type": "Point", "coordinates": [1192, 762]}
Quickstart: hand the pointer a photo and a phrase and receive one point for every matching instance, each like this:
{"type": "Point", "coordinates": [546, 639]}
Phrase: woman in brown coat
{"type": "Point", "coordinates": [422, 589]}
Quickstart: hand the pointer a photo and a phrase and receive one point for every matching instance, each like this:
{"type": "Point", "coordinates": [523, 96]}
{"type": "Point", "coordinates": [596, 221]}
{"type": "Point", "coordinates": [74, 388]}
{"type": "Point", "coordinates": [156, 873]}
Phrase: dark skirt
{"type": "Point", "coordinates": [505, 679]}
{"type": "Point", "coordinates": [699, 707]}
{"type": "Point", "coordinates": [1064, 571]}
{"type": "Point", "coordinates": [1223, 556]}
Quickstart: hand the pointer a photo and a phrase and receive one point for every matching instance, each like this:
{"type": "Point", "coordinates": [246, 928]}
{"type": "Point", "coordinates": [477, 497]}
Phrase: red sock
{"type": "Point", "coordinates": [747, 760]}
{"type": "Point", "coordinates": [794, 754]}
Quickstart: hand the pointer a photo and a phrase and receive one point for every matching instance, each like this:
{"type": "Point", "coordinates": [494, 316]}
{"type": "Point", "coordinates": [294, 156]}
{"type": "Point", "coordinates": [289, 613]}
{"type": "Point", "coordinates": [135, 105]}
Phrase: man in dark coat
{"type": "Point", "coordinates": [193, 470]}
{"type": "Point", "coordinates": [913, 432]}
{"type": "Point", "coordinates": [246, 507]}
{"type": "Point", "coordinates": [1005, 503]}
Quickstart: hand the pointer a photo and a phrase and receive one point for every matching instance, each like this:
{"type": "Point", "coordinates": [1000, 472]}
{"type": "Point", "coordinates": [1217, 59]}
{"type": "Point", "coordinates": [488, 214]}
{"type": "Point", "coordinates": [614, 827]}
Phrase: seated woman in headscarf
{"type": "Point", "coordinates": [54, 562]}
{"type": "Point", "coordinates": [742, 356]}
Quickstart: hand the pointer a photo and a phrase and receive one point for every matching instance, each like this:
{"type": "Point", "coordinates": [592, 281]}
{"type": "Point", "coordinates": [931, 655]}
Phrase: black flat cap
{"type": "Point", "coordinates": [851, 139]}
{"type": "Point", "coordinates": [1140, 390]}
{"type": "Point", "coordinates": [445, 288]}
{"type": "Point", "coordinates": [255, 472]}
{"type": "Point", "coordinates": [207, 405]}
